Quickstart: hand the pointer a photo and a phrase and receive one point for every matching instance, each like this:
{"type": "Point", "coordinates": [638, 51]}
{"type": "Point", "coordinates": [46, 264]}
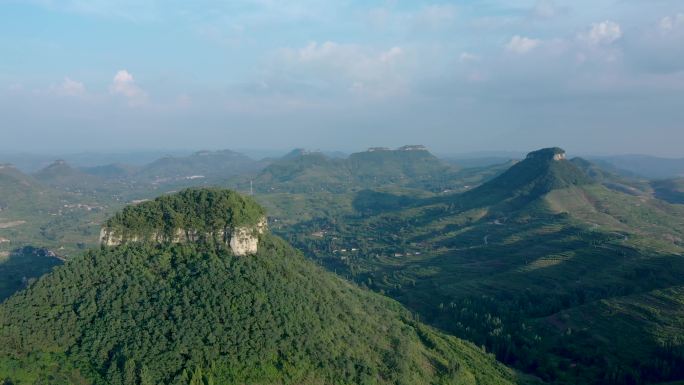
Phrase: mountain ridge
{"type": "Point", "coordinates": [193, 313]}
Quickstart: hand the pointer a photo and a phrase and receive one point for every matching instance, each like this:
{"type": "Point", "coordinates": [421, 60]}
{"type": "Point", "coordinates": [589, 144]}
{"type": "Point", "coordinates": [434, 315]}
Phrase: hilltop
{"type": "Point", "coordinates": [21, 193]}
{"type": "Point", "coordinates": [192, 215]}
{"type": "Point", "coordinates": [200, 166]}
{"type": "Point", "coordinates": [541, 171]}
{"type": "Point", "coordinates": [60, 174]}
{"type": "Point", "coordinates": [304, 171]}
{"type": "Point", "coordinates": [194, 313]}
{"type": "Point", "coordinates": [543, 264]}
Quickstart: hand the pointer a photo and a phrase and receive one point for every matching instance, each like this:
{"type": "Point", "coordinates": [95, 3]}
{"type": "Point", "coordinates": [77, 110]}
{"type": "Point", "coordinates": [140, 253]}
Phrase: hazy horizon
{"type": "Point", "coordinates": [599, 77]}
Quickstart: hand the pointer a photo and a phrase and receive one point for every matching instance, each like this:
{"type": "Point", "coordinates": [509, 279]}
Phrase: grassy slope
{"type": "Point", "coordinates": [670, 190]}
{"type": "Point", "coordinates": [485, 268]}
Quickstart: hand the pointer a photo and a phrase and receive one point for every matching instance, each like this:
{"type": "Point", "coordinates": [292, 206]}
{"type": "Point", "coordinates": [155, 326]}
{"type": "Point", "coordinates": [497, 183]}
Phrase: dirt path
{"type": "Point", "coordinates": [7, 225]}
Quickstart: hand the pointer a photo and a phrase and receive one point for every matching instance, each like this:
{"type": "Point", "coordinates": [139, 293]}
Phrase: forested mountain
{"type": "Point", "coordinates": [111, 171]}
{"type": "Point", "coordinates": [644, 165]}
{"type": "Point", "coordinates": [60, 174]}
{"type": "Point", "coordinates": [407, 166]}
{"type": "Point", "coordinates": [614, 180]}
{"type": "Point", "coordinates": [553, 271]}
{"type": "Point", "coordinates": [194, 313]}
{"type": "Point", "coordinates": [670, 190]}
{"type": "Point", "coordinates": [18, 190]}
{"type": "Point", "coordinates": [213, 165]}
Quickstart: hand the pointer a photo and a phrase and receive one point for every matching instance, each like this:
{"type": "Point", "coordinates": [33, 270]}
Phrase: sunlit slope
{"type": "Point", "coordinates": [193, 313]}
{"type": "Point", "coordinates": [501, 263]}
{"type": "Point", "coordinates": [312, 172]}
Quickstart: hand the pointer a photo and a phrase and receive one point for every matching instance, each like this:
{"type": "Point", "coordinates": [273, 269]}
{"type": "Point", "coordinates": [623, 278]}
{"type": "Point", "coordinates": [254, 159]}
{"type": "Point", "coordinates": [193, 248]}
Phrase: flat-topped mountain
{"type": "Point", "coordinates": [540, 172]}
{"type": "Point", "coordinates": [200, 165]}
{"type": "Point", "coordinates": [303, 171]}
{"type": "Point", "coordinates": [552, 270]}
{"type": "Point", "coordinates": [192, 215]}
{"type": "Point", "coordinates": [191, 313]}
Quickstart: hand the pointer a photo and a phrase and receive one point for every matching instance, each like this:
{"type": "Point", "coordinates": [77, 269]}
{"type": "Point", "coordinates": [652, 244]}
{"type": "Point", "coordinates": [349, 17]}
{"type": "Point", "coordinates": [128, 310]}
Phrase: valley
{"type": "Point", "coordinates": [546, 262]}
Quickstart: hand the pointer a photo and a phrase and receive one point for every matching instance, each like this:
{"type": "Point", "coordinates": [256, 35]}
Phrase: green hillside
{"type": "Point", "coordinates": [111, 171]}
{"type": "Point", "coordinates": [19, 267]}
{"type": "Point", "coordinates": [60, 174]}
{"type": "Point", "coordinates": [195, 314]}
{"type": "Point", "coordinates": [670, 190]}
{"type": "Point", "coordinates": [19, 191]}
{"type": "Point", "coordinates": [311, 172]}
{"type": "Point", "coordinates": [199, 167]}
{"type": "Point", "coordinates": [543, 265]}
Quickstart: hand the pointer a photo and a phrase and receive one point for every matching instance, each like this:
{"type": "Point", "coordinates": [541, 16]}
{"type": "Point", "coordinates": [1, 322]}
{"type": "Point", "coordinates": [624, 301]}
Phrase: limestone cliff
{"type": "Point", "coordinates": [243, 240]}
{"type": "Point", "coordinates": [193, 215]}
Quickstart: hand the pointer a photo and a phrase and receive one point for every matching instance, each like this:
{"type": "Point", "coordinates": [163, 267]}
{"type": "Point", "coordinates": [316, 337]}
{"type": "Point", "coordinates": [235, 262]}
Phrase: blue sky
{"type": "Point", "coordinates": [595, 76]}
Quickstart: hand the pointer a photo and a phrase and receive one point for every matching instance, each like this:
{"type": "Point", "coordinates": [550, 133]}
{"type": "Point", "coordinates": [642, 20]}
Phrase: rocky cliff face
{"type": "Point", "coordinates": [242, 240]}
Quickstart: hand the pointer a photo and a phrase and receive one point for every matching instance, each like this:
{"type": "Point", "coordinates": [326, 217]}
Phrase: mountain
{"type": "Point", "coordinates": [614, 180]}
{"type": "Point", "coordinates": [20, 192]}
{"type": "Point", "coordinates": [304, 171]}
{"type": "Point", "coordinates": [645, 166]}
{"type": "Point", "coordinates": [541, 172]}
{"type": "Point", "coordinates": [201, 165]}
{"type": "Point", "coordinates": [670, 190]}
{"type": "Point", "coordinates": [554, 272]}
{"type": "Point", "coordinates": [111, 171]}
{"type": "Point", "coordinates": [154, 310]}
{"type": "Point", "coordinates": [55, 213]}
{"type": "Point", "coordinates": [60, 174]}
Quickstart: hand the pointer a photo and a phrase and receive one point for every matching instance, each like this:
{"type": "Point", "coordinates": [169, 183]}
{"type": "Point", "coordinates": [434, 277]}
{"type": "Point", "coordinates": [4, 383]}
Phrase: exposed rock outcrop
{"type": "Point", "coordinates": [242, 240]}
{"type": "Point", "coordinates": [197, 215]}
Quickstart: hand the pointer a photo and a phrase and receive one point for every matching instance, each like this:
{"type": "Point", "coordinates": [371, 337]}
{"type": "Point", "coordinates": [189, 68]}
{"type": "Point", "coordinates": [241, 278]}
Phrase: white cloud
{"type": "Point", "coordinates": [351, 59]}
{"type": "Point", "coordinates": [391, 55]}
{"type": "Point", "coordinates": [466, 57]}
{"type": "Point", "coordinates": [522, 45]}
{"type": "Point", "coordinates": [603, 33]}
{"type": "Point", "coordinates": [350, 67]}
{"type": "Point", "coordinates": [70, 87]}
{"type": "Point", "coordinates": [123, 84]}
{"type": "Point", "coordinates": [671, 23]}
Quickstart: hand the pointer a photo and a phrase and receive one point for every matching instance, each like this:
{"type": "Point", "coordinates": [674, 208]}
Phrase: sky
{"type": "Point", "coordinates": [591, 76]}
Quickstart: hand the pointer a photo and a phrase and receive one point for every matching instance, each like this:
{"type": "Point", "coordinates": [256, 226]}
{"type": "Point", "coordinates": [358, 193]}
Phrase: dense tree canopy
{"type": "Point", "coordinates": [194, 314]}
{"type": "Point", "coordinates": [203, 210]}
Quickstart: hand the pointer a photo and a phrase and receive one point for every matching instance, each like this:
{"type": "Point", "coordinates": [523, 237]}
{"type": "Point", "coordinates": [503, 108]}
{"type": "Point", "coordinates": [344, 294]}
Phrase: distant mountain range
{"type": "Point", "coordinates": [303, 171]}
{"type": "Point", "coordinates": [569, 269]}
{"type": "Point", "coordinates": [644, 165]}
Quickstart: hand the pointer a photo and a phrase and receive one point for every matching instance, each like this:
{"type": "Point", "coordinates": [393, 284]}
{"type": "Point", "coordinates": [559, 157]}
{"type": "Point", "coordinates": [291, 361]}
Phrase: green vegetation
{"type": "Point", "coordinates": [541, 265]}
{"type": "Point", "coordinates": [212, 166]}
{"type": "Point", "coordinates": [194, 314]}
{"type": "Point", "coordinates": [60, 174]}
{"type": "Point", "coordinates": [670, 190]}
{"type": "Point", "coordinates": [560, 268]}
{"type": "Point", "coordinates": [18, 269]}
{"type": "Point", "coordinates": [202, 210]}
{"type": "Point", "coordinates": [312, 172]}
